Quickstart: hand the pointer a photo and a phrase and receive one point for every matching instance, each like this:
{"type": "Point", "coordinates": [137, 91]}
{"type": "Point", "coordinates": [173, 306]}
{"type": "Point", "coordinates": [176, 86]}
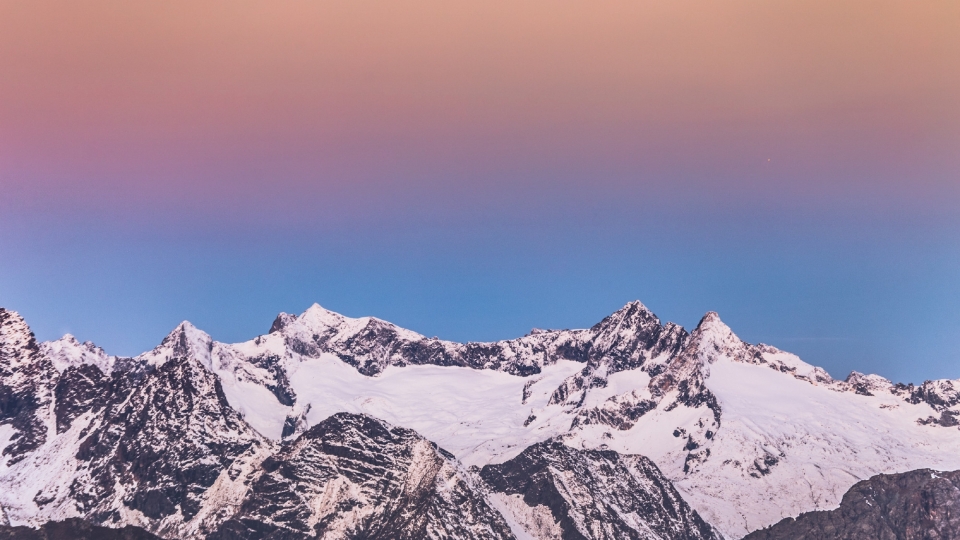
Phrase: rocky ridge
{"type": "Point", "coordinates": [352, 476]}
{"type": "Point", "coordinates": [556, 491]}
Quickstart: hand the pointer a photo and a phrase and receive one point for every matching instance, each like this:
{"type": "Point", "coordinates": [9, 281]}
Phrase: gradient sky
{"type": "Point", "coordinates": [475, 169]}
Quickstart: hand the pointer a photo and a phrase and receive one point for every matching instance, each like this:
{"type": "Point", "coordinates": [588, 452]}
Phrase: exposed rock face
{"type": "Point", "coordinates": [74, 529]}
{"type": "Point", "coordinates": [352, 476]}
{"type": "Point", "coordinates": [26, 387]}
{"type": "Point", "coordinates": [916, 505]}
{"type": "Point", "coordinates": [81, 389]}
{"type": "Point", "coordinates": [555, 491]}
{"type": "Point", "coordinates": [166, 441]}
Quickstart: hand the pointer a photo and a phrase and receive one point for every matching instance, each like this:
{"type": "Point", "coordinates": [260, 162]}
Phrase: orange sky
{"type": "Point", "coordinates": [343, 92]}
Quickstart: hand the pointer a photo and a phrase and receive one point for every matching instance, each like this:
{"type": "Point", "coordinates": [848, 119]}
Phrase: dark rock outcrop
{"type": "Point", "coordinates": [74, 529]}
{"type": "Point", "coordinates": [916, 505]}
{"type": "Point", "coordinates": [356, 477]}
{"type": "Point", "coordinates": [165, 440]}
{"type": "Point", "coordinates": [594, 494]}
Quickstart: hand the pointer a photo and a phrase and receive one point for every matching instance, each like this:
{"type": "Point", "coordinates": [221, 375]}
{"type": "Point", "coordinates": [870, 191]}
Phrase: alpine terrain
{"type": "Point", "coordinates": [335, 427]}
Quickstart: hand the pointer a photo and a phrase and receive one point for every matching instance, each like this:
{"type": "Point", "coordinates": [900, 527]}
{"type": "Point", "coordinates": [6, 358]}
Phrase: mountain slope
{"type": "Point", "coordinates": [27, 378]}
{"type": "Point", "coordinates": [760, 435]}
{"type": "Point", "coordinates": [915, 505]}
{"type": "Point", "coordinates": [159, 450]}
{"type": "Point", "coordinates": [553, 490]}
{"type": "Point", "coordinates": [352, 476]}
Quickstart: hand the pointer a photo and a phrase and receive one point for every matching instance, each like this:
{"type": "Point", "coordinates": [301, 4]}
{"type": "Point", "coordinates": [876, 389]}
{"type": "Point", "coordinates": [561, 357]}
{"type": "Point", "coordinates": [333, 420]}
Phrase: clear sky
{"type": "Point", "coordinates": [475, 169]}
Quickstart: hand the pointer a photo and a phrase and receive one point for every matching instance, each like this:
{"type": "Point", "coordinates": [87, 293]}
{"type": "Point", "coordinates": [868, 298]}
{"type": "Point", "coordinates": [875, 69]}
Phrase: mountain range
{"type": "Point", "coordinates": [336, 427]}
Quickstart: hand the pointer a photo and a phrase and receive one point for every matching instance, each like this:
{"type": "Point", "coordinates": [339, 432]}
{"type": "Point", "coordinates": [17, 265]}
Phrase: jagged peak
{"type": "Point", "coordinates": [713, 339]}
{"type": "Point", "coordinates": [282, 321]}
{"type": "Point", "coordinates": [634, 304]}
{"type": "Point", "coordinates": [863, 383]}
{"type": "Point", "coordinates": [184, 340]}
{"type": "Point", "coordinates": [319, 319]}
{"type": "Point", "coordinates": [633, 314]}
{"type": "Point", "coordinates": [634, 309]}
{"type": "Point", "coordinates": [186, 326]}
{"type": "Point", "coordinates": [68, 351]}
{"type": "Point", "coordinates": [711, 321]}
{"type": "Point", "coordinates": [318, 316]}
{"type": "Point", "coordinates": [187, 335]}
{"type": "Point", "coordinates": [712, 328]}
{"type": "Point", "coordinates": [17, 341]}
{"type": "Point", "coordinates": [70, 339]}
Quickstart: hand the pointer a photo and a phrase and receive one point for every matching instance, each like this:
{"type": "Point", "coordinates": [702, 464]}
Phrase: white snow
{"type": "Point", "coordinates": [526, 522]}
{"type": "Point", "coordinates": [825, 442]}
{"type": "Point", "coordinates": [67, 352]}
{"type": "Point", "coordinates": [476, 414]}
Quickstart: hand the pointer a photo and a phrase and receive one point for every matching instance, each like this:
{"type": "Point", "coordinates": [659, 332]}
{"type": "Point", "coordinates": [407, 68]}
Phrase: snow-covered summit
{"type": "Point", "coordinates": [17, 343]}
{"type": "Point", "coordinates": [186, 340]}
{"type": "Point", "coordinates": [68, 352]}
{"type": "Point", "coordinates": [713, 339]}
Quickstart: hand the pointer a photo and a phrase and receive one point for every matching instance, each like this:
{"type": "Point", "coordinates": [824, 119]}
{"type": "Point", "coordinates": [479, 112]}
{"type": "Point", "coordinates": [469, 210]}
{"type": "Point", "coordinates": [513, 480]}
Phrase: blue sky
{"type": "Point", "coordinates": [471, 171]}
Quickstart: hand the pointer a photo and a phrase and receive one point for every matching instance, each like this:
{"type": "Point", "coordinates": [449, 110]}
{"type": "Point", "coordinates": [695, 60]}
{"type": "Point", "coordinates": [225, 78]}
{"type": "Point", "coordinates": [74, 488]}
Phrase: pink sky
{"type": "Point", "coordinates": [134, 101]}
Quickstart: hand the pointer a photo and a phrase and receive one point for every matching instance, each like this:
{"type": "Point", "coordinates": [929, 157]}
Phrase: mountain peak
{"type": "Point", "coordinates": [867, 384]}
{"type": "Point", "coordinates": [714, 339]}
{"type": "Point", "coordinates": [631, 316]}
{"type": "Point", "coordinates": [712, 327]}
{"type": "Point", "coordinates": [68, 351]}
{"type": "Point", "coordinates": [282, 321]}
{"type": "Point", "coordinates": [185, 326]}
{"type": "Point", "coordinates": [186, 336]}
{"type": "Point", "coordinates": [633, 310]}
{"type": "Point", "coordinates": [184, 340]}
{"type": "Point", "coordinates": [317, 316]}
{"type": "Point", "coordinates": [16, 339]}
{"type": "Point", "coordinates": [711, 319]}
{"type": "Point", "coordinates": [634, 305]}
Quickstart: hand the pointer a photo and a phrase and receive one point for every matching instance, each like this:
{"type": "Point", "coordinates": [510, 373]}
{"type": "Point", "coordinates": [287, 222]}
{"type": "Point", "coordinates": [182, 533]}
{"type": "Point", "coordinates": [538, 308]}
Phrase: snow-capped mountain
{"type": "Point", "coordinates": [161, 449]}
{"type": "Point", "coordinates": [746, 434]}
